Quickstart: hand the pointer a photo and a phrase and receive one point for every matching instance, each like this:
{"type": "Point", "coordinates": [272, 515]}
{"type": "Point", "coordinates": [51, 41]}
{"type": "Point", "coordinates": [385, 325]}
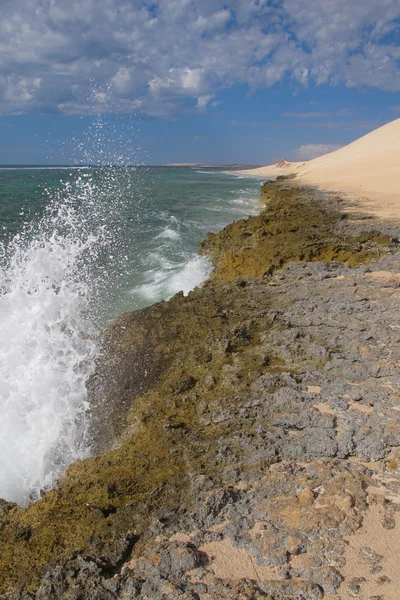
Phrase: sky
{"type": "Point", "coordinates": [237, 81]}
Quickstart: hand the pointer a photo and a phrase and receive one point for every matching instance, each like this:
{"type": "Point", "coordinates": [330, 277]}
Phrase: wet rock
{"type": "Point", "coordinates": [6, 510]}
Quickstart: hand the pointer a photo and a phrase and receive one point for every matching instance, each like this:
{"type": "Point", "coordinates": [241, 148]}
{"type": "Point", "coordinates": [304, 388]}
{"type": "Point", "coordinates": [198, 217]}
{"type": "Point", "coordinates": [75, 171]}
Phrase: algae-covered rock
{"type": "Point", "coordinates": [195, 402]}
{"type": "Point", "coordinates": [294, 226]}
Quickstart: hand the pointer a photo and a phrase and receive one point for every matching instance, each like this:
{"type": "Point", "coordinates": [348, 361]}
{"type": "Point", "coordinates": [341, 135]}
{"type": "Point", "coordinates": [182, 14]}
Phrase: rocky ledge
{"type": "Point", "coordinates": [247, 435]}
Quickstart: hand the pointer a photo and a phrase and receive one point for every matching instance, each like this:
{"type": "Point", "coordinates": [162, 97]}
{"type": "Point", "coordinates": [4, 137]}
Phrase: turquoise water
{"type": "Point", "coordinates": [77, 248]}
{"type": "Point", "coordinates": [155, 217]}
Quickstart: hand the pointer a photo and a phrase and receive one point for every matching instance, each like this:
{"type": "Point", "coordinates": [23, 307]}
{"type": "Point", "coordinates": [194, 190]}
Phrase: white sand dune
{"type": "Point", "coordinates": [284, 167]}
{"type": "Point", "coordinates": [367, 170]}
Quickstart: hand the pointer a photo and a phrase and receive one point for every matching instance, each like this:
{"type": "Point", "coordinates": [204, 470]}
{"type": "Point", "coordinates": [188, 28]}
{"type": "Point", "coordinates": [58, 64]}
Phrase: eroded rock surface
{"type": "Point", "coordinates": [252, 421]}
{"type": "Point", "coordinates": [297, 225]}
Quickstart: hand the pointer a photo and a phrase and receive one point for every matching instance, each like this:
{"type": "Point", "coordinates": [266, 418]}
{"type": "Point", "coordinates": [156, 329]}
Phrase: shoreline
{"type": "Point", "coordinates": [264, 402]}
{"type": "Point", "coordinates": [365, 171]}
{"type": "Point", "coordinates": [374, 203]}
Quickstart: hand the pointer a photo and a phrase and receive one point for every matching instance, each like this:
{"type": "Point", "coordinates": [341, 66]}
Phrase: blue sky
{"type": "Point", "coordinates": [250, 81]}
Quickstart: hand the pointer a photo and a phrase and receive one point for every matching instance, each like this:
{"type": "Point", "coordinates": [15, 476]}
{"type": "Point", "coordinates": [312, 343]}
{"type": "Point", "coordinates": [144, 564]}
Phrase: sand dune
{"type": "Point", "coordinates": [284, 167]}
{"type": "Point", "coordinates": [367, 170]}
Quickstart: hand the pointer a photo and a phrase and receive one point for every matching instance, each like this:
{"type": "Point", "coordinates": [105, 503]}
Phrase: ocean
{"type": "Point", "coordinates": [78, 246]}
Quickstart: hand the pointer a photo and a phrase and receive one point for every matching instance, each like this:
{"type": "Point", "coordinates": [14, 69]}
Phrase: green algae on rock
{"type": "Point", "coordinates": [210, 390]}
{"type": "Point", "coordinates": [293, 227]}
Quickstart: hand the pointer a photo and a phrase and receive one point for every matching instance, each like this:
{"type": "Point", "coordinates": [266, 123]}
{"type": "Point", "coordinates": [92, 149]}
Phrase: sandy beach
{"type": "Point", "coordinates": [367, 170]}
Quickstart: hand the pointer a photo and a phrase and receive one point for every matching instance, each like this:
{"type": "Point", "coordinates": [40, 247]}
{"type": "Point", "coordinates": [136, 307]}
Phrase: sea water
{"type": "Point", "coordinates": [78, 246]}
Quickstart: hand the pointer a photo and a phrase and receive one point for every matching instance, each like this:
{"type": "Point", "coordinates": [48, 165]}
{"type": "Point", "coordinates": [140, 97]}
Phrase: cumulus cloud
{"type": "Point", "coordinates": [310, 151]}
{"type": "Point", "coordinates": [156, 57]}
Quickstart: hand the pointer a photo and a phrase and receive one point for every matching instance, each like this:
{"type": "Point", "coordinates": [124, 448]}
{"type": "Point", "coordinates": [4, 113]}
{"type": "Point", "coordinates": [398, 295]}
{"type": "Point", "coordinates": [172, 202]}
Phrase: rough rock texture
{"type": "Point", "coordinates": [295, 226]}
{"type": "Point", "coordinates": [254, 415]}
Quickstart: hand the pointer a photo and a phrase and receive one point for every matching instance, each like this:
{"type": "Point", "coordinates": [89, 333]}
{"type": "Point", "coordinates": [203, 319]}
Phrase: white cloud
{"type": "Point", "coordinates": [21, 89]}
{"type": "Point", "coordinates": [122, 79]}
{"type": "Point", "coordinates": [310, 151]}
{"type": "Point", "coordinates": [190, 79]}
{"type": "Point", "coordinates": [169, 54]}
{"type": "Point", "coordinates": [202, 101]}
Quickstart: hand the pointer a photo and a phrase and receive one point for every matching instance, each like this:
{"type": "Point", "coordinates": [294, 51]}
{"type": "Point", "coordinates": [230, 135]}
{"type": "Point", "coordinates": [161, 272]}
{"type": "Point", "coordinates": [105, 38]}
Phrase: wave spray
{"type": "Point", "coordinates": [47, 346]}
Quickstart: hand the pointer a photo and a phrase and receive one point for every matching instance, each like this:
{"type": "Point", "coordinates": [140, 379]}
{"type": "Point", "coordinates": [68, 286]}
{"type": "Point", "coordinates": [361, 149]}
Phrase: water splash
{"type": "Point", "coordinates": [168, 278]}
{"type": "Point", "coordinates": [47, 347]}
{"type": "Point", "coordinates": [106, 243]}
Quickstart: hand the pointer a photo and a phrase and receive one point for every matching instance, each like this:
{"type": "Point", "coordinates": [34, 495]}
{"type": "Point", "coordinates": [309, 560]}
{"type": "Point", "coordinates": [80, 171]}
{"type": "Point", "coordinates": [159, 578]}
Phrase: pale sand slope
{"type": "Point", "coordinates": [284, 167]}
{"type": "Point", "coordinates": [367, 170]}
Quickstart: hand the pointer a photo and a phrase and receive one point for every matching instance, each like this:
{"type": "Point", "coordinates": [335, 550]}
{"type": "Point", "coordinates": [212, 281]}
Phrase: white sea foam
{"type": "Point", "coordinates": [242, 201]}
{"type": "Point", "coordinates": [191, 275]}
{"type": "Point", "coordinates": [169, 233]}
{"type": "Point", "coordinates": [172, 278]}
{"type": "Point", "coordinates": [208, 172]}
{"type": "Point", "coordinates": [46, 351]}
{"type": "Point", "coordinates": [246, 191]}
{"type": "Point", "coordinates": [249, 205]}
